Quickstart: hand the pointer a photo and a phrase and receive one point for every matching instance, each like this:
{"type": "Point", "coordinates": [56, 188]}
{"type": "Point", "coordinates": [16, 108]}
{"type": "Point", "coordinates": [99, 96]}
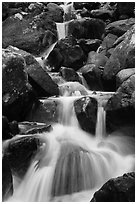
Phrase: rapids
{"type": "Point", "coordinates": [72, 164]}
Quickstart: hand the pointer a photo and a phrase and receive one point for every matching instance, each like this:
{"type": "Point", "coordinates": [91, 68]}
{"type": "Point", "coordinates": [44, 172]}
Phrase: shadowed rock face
{"type": "Point", "coordinates": [86, 112]}
{"type": "Point", "coordinates": [121, 189]}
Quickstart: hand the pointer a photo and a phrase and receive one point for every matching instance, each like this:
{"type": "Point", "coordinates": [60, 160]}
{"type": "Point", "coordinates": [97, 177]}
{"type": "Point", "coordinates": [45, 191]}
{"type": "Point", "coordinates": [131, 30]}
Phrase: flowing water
{"type": "Point", "coordinates": [73, 164]}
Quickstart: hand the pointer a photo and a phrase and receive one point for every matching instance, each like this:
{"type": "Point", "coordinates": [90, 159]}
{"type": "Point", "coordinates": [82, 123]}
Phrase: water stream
{"type": "Point", "coordinates": [73, 164]}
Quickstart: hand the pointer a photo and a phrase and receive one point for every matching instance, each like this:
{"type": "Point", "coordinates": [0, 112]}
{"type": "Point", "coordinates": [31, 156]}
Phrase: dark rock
{"type": "Point", "coordinates": [69, 74]}
{"type": "Point", "coordinates": [45, 111]}
{"type": "Point", "coordinates": [103, 14]}
{"type": "Point", "coordinates": [27, 33]}
{"type": "Point", "coordinates": [14, 129]}
{"type": "Point", "coordinates": [87, 5]}
{"type": "Point", "coordinates": [37, 76]}
{"type": "Point", "coordinates": [120, 27]}
{"type": "Point", "coordinates": [17, 94]}
{"type": "Point", "coordinates": [125, 8]}
{"type": "Point", "coordinates": [20, 152]}
{"type": "Point", "coordinates": [66, 53]}
{"type": "Point", "coordinates": [87, 28]}
{"type": "Point", "coordinates": [86, 112]}
{"type": "Point", "coordinates": [56, 11]}
{"type": "Point", "coordinates": [123, 57]}
{"type": "Point", "coordinates": [5, 128]}
{"type": "Point", "coordinates": [72, 88]}
{"type": "Point", "coordinates": [88, 45]}
{"type": "Point", "coordinates": [7, 181]}
{"type": "Point", "coordinates": [123, 75]}
{"type": "Point", "coordinates": [120, 108]}
{"type": "Point", "coordinates": [92, 75]}
{"type": "Point", "coordinates": [120, 189]}
{"type": "Point", "coordinates": [108, 42]}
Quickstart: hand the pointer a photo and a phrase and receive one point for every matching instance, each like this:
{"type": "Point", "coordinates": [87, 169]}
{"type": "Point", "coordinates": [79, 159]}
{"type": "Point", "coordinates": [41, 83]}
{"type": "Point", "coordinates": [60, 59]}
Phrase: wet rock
{"type": "Point", "coordinates": [45, 111]}
{"type": "Point", "coordinates": [26, 128]}
{"type": "Point", "coordinates": [35, 8]}
{"type": "Point", "coordinates": [86, 112]}
{"type": "Point", "coordinates": [56, 11]}
{"type": "Point", "coordinates": [121, 106]}
{"type": "Point", "coordinates": [69, 74]}
{"type": "Point", "coordinates": [98, 59]}
{"type": "Point", "coordinates": [56, 77]}
{"type": "Point", "coordinates": [92, 75]}
{"type": "Point", "coordinates": [66, 53]}
{"type": "Point", "coordinates": [108, 42]}
{"type": "Point", "coordinates": [17, 94]}
{"type": "Point", "coordinates": [123, 57]}
{"type": "Point", "coordinates": [120, 27]}
{"type": "Point", "coordinates": [20, 152]}
{"type": "Point", "coordinates": [123, 75]}
{"type": "Point", "coordinates": [7, 181]}
{"type": "Point", "coordinates": [27, 33]}
{"type": "Point", "coordinates": [88, 45]}
{"type": "Point", "coordinates": [120, 189]}
{"type": "Point", "coordinates": [87, 28]}
{"type": "Point", "coordinates": [72, 88]}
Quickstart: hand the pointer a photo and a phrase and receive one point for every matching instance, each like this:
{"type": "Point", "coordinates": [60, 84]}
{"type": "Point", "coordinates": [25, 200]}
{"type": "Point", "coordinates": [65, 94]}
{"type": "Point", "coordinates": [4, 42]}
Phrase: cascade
{"type": "Point", "coordinates": [73, 164]}
{"type": "Point", "coordinates": [62, 30]}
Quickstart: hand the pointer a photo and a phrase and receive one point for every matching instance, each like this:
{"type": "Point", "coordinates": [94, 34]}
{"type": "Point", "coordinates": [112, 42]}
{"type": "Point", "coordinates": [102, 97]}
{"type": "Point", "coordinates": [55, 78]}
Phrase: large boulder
{"type": "Point", "coordinates": [56, 11]}
{"type": "Point", "coordinates": [37, 76]}
{"type": "Point", "coordinates": [17, 93]}
{"type": "Point", "coordinates": [27, 33]}
{"type": "Point", "coordinates": [92, 75]}
{"type": "Point", "coordinates": [20, 151]}
{"type": "Point", "coordinates": [120, 27]}
{"type": "Point", "coordinates": [7, 181]}
{"type": "Point", "coordinates": [123, 75]}
{"type": "Point", "coordinates": [86, 112]}
{"type": "Point", "coordinates": [98, 59]}
{"type": "Point", "coordinates": [120, 189]}
{"type": "Point", "coordinates": [87, 28]}
{"type": "Point", "coordinates": [123, 57]}
{"type": "Point", "coordinates": [125, 9]}
{"type": "Point", "coordinates": [66, 53]}
{"type": "Point", "coordinates": [120, 108]}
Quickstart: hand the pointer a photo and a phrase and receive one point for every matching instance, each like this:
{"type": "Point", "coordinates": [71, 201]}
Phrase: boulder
{"type": "Point", "coordinates": [108, 41]}
{"type": "Point", "coordinates": [92, 75]}
{"type": "Point", "coordinates": [37, 76]}
{"type": "Point", "coordinates": [56, 12]}
{"type": "Point", "coordinates": [120, 189]}
{"type": "Point", "coordinates": [66, 53]}
{"type": "Point", "coordinates": [98, 59]}
{"type": "Point", "coordinates": [72, 88]}
{"type": "Point", "coordinates": [69, 74]}
{"type": "Point", "coordinates": [7, 181]}
{"type": "Point", "coordinates": [87, 28]}
{"type": "Point", "coordinates": [27, 33]}
{"type": "Point", "coordinates": [123, 75]}
{"type": "Point", "coordinates": [88, 45]}
{"type": "Point", "coordinates": [45, 111]}
{"type": "Point", "coordinates": [17, 93]}
{"type": "Point", "coordinates": [120, 27]}
{"type": "Point", "coordinates": [120, 108]}
{"type": "Point", "coordinates": [88, 5]}
{"type": "Point", "coordinates": [20, 151]}
{"type": "Point", "coordinates": [103, 14]}
{"type": "Point", "coordinates": [86, 112]}
{"type": "Point", "coordinates": [123, 57]}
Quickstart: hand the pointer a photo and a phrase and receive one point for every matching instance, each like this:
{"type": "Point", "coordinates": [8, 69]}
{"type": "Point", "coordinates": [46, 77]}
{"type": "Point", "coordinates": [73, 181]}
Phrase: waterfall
{"type": "Point", "coordinates": [62, 30]}
{"type": "Point", "coordinates": [73, 164]}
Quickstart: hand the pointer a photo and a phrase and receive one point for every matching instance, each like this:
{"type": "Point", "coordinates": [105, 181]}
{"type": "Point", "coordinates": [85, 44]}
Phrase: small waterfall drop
{"type": "Point", "coordinates": [62, 30]}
